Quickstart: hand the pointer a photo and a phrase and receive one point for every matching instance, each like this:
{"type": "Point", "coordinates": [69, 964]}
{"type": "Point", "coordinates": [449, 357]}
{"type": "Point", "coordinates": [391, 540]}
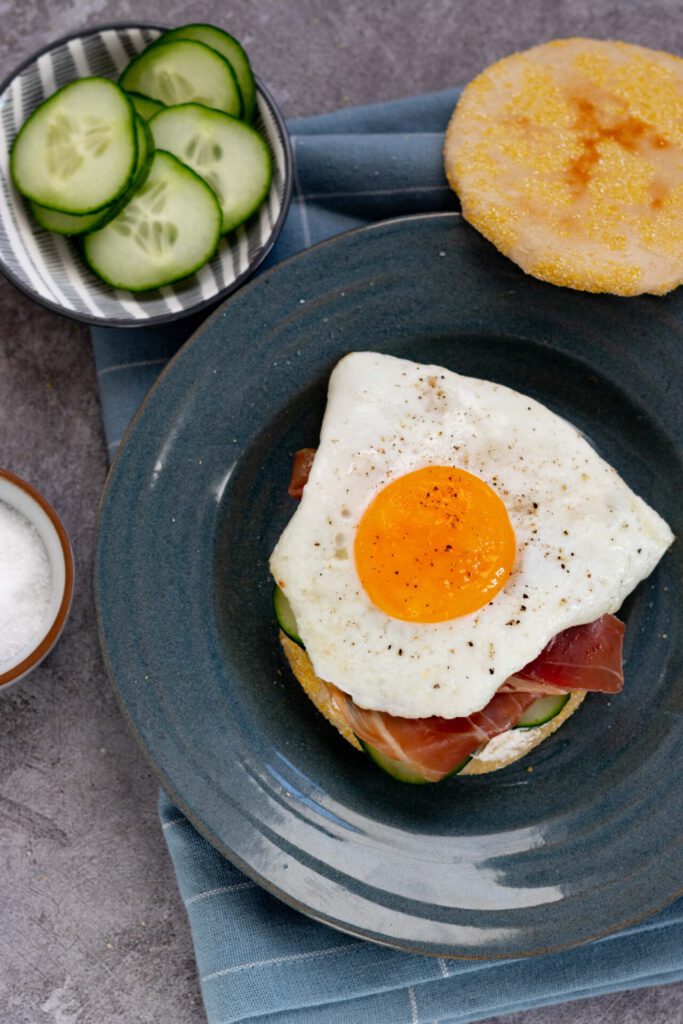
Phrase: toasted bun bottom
{"type": "Point", "coordinates": [498, 752]}
{"type": "Point", "coordinates": [315, 688]}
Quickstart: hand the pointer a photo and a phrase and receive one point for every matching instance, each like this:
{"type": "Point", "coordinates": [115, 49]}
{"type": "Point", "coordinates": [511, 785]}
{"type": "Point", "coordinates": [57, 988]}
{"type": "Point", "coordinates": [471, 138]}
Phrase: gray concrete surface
{"type": "Point", "coordinates": [91, 927]}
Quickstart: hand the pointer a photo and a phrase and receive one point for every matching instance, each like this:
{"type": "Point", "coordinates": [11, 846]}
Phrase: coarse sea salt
{"type": "Point", "coordinates": [25, 586]}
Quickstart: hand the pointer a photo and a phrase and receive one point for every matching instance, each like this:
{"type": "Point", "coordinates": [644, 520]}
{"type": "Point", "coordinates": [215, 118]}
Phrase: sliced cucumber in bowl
{"type": "Point", "coordinates": [169, 230]}
{"type": "Point", "coordinates": [81, 224]}
{"type": "Point", "coordinates": [81, 159]}
{"type": "Point", "coordinates": [77, 151]}
{"type": "Point", "coordinates": [145, 106]}
{"type": "Point", "coordinates": [228, 47]}
{"type": "Point", "coordinates": [184, 71]}
{"type": "Point", "coordinates": [227, 153]}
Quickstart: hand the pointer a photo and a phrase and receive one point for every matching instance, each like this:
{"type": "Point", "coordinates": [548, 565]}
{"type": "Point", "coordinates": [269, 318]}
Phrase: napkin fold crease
{"type": "Point", "coordinates": [258, 959]}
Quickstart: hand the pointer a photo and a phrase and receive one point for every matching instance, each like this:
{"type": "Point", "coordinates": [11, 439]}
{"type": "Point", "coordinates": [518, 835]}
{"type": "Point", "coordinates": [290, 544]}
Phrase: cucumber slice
{"type": "Point", "coordinates": [184, 72]}
{"type": "Point", "coordinates": [542, 710]}
{"type": "Point", "coordinates": [229, 48]}
{"type": "Point", "coordinates": [144, 105]}
{"type": "Point", "coordinates": [228, 154]}
{"type": "Point", "coordinates": [170, 228]}
{"type": "Point", "coordinates": [285, 616]}
{"type": "Point", "coordinates": [400, 771]}
{"type": "Point", "coordinates": [73, 224]}
{"type": "Point", "coordinates": [77, 152]}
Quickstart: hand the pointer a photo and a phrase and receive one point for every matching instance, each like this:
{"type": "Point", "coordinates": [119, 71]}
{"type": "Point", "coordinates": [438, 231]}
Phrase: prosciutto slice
{"type": "Point", "coordinates": [301, 467]}
{"type": "Point", "coordinates": [580, 658]}
{"type": "Point", "coordinates": [434, 747]}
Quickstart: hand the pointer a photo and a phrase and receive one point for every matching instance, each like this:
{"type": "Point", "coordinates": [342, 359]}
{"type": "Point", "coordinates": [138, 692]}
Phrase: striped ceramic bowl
{"type": "Point", "coordinates": [48, 268]}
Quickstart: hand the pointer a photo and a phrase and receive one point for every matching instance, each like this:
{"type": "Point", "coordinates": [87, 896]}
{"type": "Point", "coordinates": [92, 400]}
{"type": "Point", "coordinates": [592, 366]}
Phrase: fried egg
{"type": "Point", "coordinates": [449, 528]}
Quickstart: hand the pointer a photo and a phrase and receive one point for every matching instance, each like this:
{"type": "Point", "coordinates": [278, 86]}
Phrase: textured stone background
{"type": "Point", "coordinates": [91, 927]}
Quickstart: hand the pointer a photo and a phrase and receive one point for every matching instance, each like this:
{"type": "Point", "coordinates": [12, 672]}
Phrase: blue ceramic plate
{"type": "Point", "coordinates": [509, 864]}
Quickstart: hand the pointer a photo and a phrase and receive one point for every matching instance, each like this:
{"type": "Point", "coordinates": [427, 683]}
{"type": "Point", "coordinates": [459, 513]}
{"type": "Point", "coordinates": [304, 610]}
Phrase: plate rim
{"type": "Point", "coordinates": [202, 829]}
{"type": "Point", "coordinates": [250, 269]}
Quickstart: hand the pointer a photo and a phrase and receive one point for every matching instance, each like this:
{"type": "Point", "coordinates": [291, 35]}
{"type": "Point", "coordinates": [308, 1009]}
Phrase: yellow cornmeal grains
{"type": "Point", "coordinates": [569, 158]}
{"type": "Point", "coordinates": [315, 688]}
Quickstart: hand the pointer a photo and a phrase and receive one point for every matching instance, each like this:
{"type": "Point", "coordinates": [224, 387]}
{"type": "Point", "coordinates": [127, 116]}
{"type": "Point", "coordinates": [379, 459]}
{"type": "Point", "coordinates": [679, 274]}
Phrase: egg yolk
{"type": "Point", "coordinates": [434, 544]}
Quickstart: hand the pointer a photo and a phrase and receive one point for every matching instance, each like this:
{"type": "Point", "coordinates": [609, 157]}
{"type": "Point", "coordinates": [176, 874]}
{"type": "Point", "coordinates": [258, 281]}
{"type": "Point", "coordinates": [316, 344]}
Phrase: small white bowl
{"type": "Point", "coordinates": [26, 500]}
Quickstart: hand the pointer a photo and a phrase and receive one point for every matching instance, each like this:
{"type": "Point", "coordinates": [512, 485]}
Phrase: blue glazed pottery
{"type": "Point", "coordinates": [575, 841]}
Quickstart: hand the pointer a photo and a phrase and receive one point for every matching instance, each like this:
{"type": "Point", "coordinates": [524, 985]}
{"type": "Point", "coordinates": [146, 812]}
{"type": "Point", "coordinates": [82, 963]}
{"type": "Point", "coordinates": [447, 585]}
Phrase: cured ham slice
{"type": "Point", "coordinates": [301, 467]}
{"type": "Point", "coordinates": [580, 658]}
{"type": "Point", "coordinates": [434, 747]}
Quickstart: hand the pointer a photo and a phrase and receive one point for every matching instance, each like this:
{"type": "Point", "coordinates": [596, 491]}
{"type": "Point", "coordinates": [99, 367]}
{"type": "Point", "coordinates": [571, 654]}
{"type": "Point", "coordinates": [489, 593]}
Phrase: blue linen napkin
{"type": "Point", "coordinates": [259, 960]}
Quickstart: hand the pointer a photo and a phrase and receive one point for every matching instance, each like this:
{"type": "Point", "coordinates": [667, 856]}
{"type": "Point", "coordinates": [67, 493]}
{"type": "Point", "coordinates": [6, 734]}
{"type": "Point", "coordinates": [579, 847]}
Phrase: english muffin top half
{"type": "Point", "coordinates": [569, 158]}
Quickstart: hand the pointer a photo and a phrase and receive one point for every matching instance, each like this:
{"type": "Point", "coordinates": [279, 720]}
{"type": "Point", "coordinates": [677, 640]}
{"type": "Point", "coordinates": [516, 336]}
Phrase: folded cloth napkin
{"type": "Point", "coordinates": [259, 960]}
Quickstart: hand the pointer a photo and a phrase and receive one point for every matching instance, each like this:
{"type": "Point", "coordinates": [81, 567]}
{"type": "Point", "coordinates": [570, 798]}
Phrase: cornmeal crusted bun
{"type": "Point", "coordinates": [497, 753]}
{"type": "Point", "coordinates": [569, 158]}
{"type": "Point", "coordinates": [316, 689]}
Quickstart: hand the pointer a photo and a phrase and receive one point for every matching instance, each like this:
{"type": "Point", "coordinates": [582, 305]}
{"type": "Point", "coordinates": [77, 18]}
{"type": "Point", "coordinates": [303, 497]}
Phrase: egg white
{"type": "Point", "coordinates": [584, 539]}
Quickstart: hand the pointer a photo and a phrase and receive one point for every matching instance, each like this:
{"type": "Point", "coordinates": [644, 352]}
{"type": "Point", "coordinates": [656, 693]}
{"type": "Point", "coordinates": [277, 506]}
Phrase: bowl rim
{"type": "Point", "coordinates": [47, 642]}
{"type": "Point", "coordinates": [220, 296]}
